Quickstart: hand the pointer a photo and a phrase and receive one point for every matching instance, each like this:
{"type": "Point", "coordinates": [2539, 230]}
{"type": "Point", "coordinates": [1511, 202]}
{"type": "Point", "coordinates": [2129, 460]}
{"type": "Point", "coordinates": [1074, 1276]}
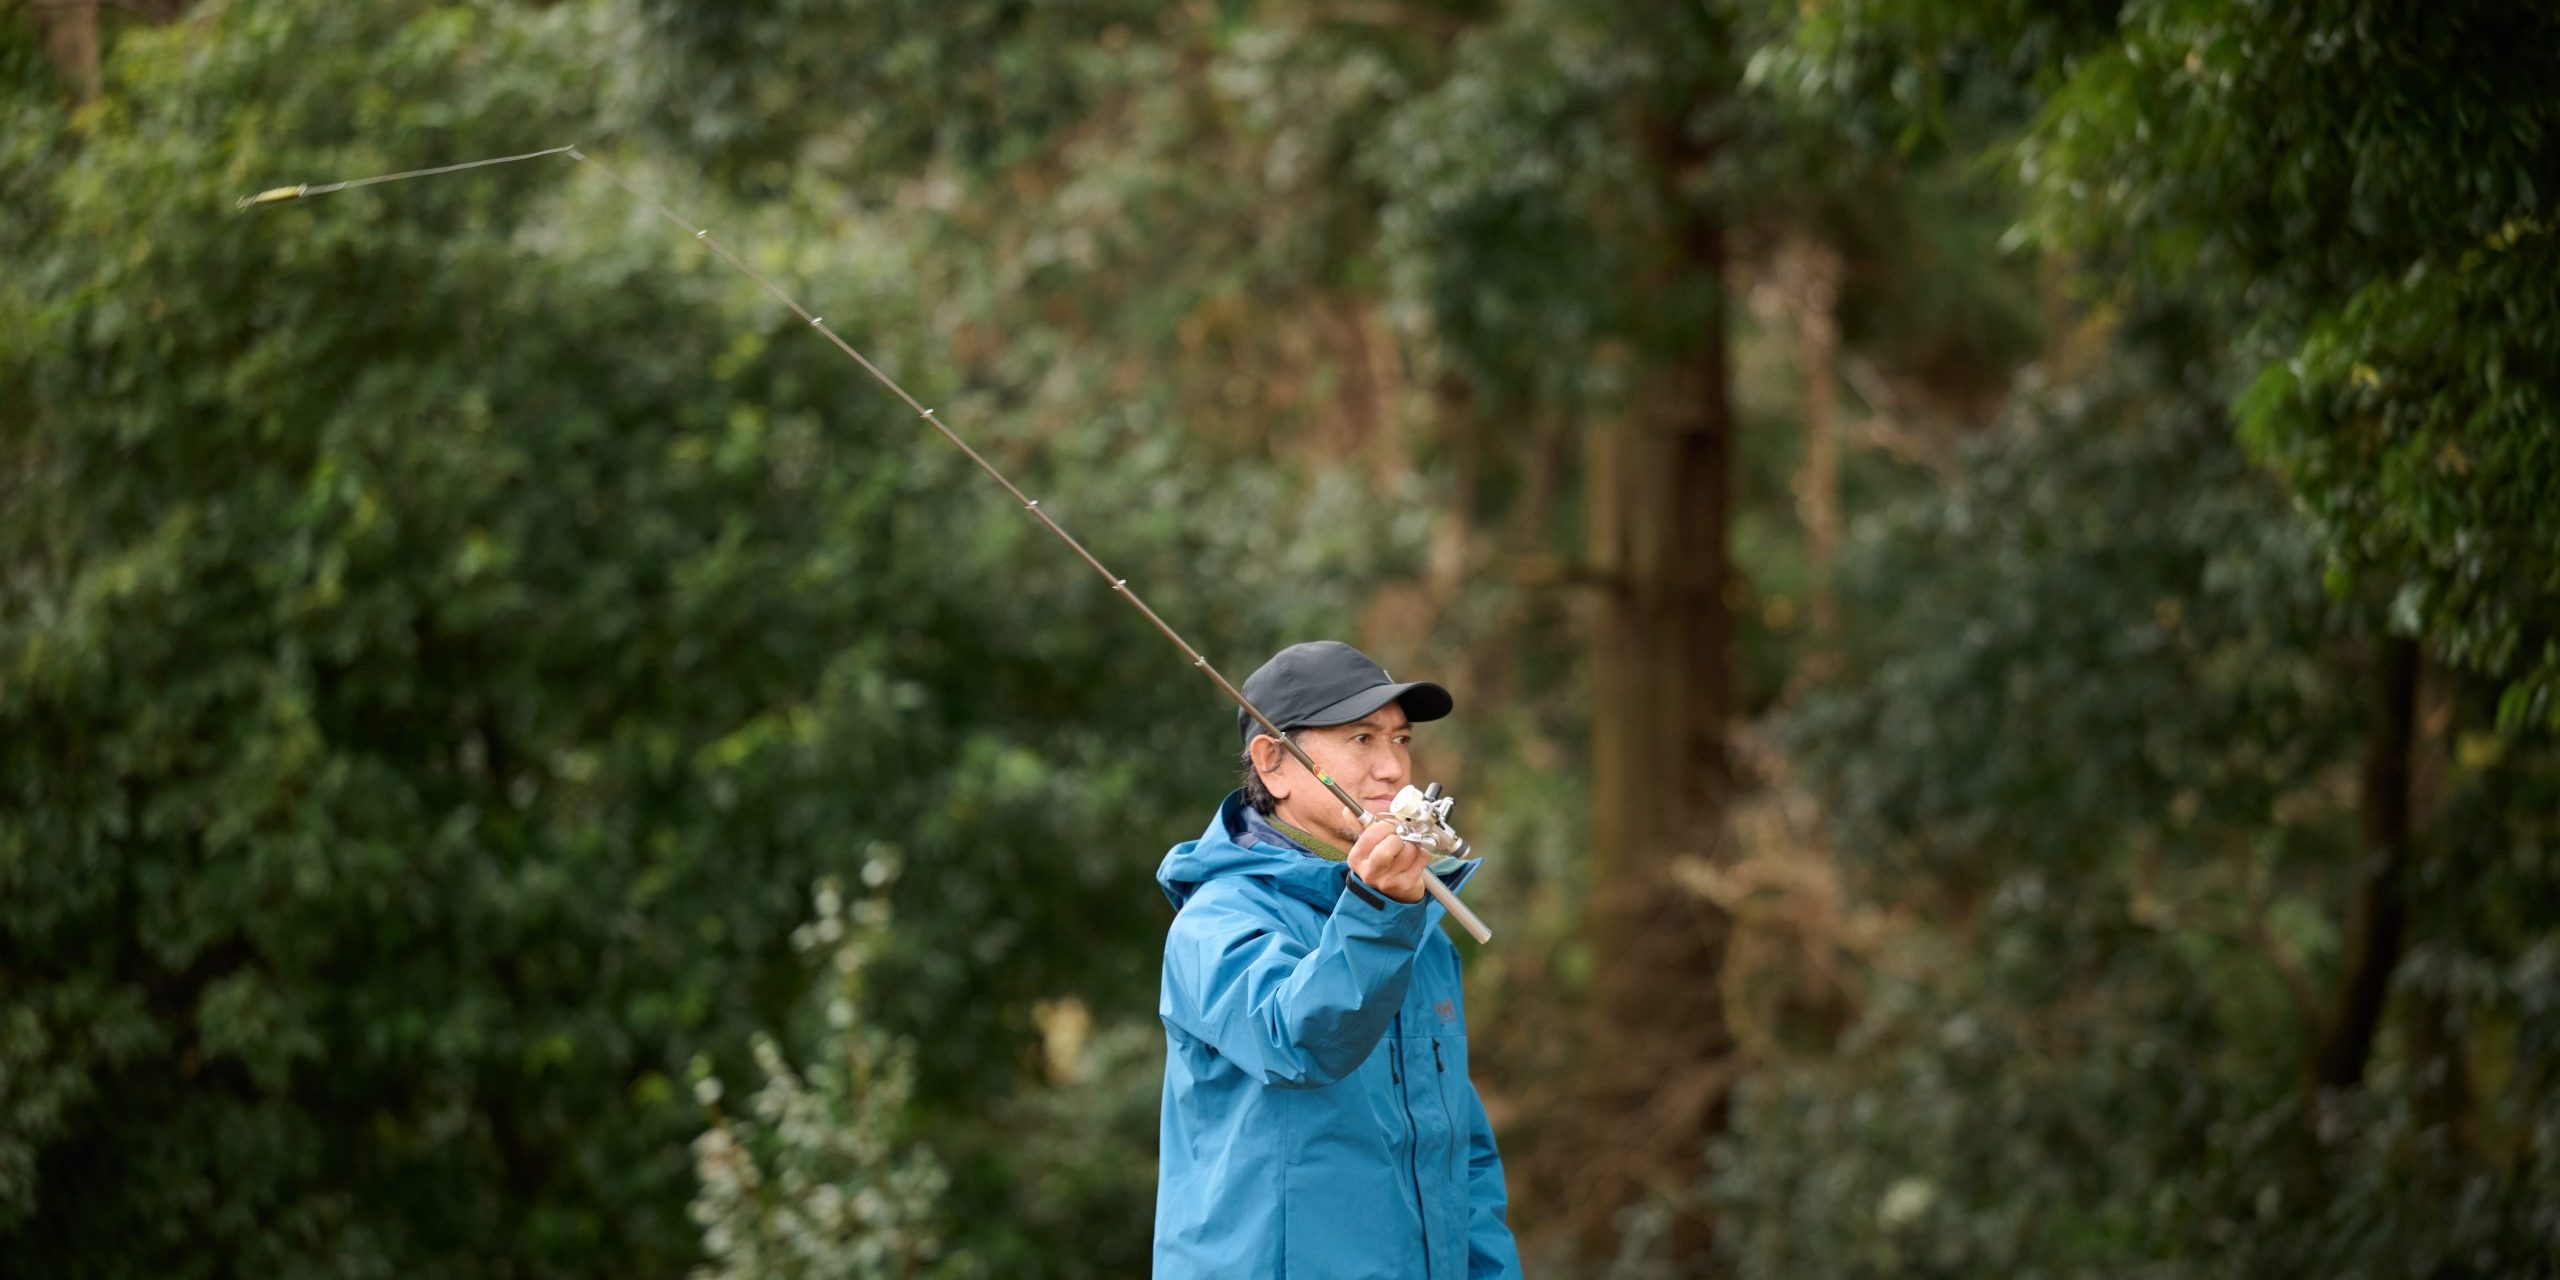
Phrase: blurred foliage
{"type": "Point", "coordinates": [2053, 559]}
{"type": "Point", "coordinates": [821, 1177]}
{"type": "Point", "coordinates": [446, 621]}
{"type": "Point", "coordinates": [2097, 740]}
{"type": "Point", "coordinates": [2363, 193]}
{"type": "Point", "coordinates": [2362, 183]}
{"type": "Point", "coordinates": [830, 1171]}
{"type": "Point", "coordinates": [2100, 751]}
{"type": "Point", "coordinates": [447, 625]}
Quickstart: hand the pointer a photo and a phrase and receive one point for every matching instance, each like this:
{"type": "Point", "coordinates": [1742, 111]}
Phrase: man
{"type": "Point", "coordinates": [1318, 1123]}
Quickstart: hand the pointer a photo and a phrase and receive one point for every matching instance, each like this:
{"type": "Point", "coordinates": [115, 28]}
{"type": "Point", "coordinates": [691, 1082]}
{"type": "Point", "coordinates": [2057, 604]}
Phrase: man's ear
{"type": "Point", "coordinates": [1271, 762]}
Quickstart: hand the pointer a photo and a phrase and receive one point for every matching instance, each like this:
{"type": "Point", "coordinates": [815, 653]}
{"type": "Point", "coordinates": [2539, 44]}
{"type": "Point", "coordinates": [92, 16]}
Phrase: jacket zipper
{"type": "Point", "coordinates": [1412, 1145]}
{"type": "Point", "coordinates": [1443, 1065]}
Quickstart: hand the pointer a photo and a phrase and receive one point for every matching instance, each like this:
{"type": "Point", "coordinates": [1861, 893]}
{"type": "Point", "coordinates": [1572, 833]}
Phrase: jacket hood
{"type": "Point", "coordinates": [1230, 847]}
{"type": "Point", "coordinates": [1238, 844]}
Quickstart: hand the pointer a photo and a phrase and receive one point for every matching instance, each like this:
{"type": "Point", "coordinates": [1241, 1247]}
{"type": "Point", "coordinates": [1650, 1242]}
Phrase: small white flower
{"type": "Point", "coordinates": [1905, 1202]}
{"type": "Point", "coordinates": [826, 1204]}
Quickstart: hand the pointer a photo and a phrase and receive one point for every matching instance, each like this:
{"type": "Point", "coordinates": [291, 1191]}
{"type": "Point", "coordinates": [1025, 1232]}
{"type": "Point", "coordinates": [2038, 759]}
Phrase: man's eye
{"type": "Point", "coordinates": [1404, 739]}
{"type": "Point", "coordinates": [1360, 737]}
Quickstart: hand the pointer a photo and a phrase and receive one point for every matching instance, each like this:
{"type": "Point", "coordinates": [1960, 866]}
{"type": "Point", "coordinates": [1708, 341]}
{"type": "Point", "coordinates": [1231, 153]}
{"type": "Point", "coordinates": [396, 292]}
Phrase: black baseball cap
{"type": "Point", "coordinates": [1322, 682]}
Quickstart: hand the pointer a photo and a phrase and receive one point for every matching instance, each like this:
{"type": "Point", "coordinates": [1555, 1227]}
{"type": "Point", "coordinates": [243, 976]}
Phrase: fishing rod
{"type": "Point", "coordinates": [1420, 817]}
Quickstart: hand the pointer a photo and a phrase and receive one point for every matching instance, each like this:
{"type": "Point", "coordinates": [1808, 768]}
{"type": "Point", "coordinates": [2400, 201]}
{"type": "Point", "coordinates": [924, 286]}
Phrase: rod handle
{"type": "Point", "coordinates": [1466, 919]}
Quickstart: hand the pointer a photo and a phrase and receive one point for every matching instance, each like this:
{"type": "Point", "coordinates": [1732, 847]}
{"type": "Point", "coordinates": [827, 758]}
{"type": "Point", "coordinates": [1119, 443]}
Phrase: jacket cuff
{"type": "Point", "coordinates": [1359, 899]}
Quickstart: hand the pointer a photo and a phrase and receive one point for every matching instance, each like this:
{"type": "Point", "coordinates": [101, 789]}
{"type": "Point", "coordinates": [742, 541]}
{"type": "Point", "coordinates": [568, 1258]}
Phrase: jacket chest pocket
{"type": "Point", "coordinates": [1436, 1089]}
{"type": "Point", "coordinates": [1435, 1015]}
{"type": "Point", "coordinates": [1434, 1061]}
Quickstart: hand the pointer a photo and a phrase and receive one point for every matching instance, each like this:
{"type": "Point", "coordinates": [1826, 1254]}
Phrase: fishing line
{"type": "Point", "coordinates": [1426, 824]}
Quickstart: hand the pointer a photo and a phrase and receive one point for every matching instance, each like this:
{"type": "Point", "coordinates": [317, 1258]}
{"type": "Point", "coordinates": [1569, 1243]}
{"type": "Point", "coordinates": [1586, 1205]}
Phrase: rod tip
{"type": "Point", "coordinates": [274, 195]}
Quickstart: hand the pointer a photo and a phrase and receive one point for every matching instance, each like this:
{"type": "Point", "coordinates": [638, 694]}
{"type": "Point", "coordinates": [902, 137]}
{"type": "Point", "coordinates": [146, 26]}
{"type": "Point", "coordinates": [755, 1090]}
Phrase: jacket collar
{"type": "Point", "coordinates": [1239, 841]}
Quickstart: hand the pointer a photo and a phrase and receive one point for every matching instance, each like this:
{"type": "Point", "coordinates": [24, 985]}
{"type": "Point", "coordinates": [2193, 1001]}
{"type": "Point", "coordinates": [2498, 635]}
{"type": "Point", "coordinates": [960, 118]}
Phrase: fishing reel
{"type": "Point", "coordinates": [1422, 817]}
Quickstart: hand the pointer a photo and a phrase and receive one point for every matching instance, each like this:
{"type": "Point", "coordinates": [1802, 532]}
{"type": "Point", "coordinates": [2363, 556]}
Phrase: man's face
{"type": "Point", "coordinates": [1371, 757]}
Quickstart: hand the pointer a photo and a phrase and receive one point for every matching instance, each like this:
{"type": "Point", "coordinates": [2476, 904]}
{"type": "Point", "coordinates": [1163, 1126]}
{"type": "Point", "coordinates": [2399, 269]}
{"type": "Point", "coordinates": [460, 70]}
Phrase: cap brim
{"type": "Point", "coordinates": [1422, 701]}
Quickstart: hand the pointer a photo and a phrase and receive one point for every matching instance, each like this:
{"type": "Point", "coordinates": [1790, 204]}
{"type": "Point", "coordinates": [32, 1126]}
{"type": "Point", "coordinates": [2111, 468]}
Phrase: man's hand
{"type": "Point", "coordinates": [1391, 866]}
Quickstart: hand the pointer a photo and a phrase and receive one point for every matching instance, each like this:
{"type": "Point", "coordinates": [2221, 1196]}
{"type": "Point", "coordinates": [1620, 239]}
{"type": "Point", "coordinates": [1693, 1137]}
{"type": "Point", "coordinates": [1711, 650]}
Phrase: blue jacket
{"type": "Point", "coordinates": [1318, 1121]}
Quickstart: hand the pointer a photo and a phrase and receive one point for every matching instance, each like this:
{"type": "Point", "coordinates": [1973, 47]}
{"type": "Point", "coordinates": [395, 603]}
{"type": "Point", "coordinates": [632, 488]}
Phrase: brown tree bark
{"type": "Point", "coordinates": [2381, 911]}
{"type": "Point", "coordinates": [71, 40]}
{"type": "Point", "coordinates": [1659, 496]}
{"type": "Point", "coordinates": [1809, 276]}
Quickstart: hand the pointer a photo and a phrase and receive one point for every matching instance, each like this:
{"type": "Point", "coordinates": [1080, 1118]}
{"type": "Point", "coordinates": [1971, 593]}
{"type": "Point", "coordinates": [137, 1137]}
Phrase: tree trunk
{"type": "Point", "coordinates": [71, 40]}
{"type": "Point", "coordinates": [1659, 490]}
{"type": "Point", "coordinates": [1809, 275]}
{"type": "Point", "coordinates": [2381, 912]}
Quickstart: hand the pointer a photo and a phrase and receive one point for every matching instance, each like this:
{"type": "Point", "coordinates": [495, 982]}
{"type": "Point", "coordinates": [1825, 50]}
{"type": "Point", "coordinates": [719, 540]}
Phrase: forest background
{"type": "Point", "coordinates": [2000, 564]}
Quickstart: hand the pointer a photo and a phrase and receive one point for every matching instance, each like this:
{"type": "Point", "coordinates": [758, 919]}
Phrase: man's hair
{"type": "Point", "coordinates": [1256, 794]}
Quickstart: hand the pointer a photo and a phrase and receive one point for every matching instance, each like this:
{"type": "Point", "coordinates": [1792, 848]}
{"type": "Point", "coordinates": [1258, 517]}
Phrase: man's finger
{"type": "Point", "coordinates": [1371, 838]}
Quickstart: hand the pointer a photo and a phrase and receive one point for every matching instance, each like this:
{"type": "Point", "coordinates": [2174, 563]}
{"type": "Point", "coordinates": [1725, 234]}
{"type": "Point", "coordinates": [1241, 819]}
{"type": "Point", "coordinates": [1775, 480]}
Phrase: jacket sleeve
{"type": "Point", "coordinates": [1491, 1252]}
{"type": "Point", "coordinates": [1289, 1014]}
